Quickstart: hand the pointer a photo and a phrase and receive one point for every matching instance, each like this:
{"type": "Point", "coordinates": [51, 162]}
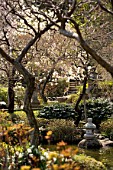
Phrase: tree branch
{"type": "Point", "coordinates": [105, 9]}
{"type": "Point", "coordinates": [86, 47]}
{"type": "Point", "coordinates": [72, 9]}
{"type": "Point", "coordinates": [69, 34]}
{"type": "Point", "coordinates": [32, 41]}
{"type": "Point", "coordinates": [6, 56]}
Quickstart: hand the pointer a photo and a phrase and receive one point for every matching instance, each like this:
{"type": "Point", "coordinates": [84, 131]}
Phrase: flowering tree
{"type": "Point", "coordinates": [18, 17]}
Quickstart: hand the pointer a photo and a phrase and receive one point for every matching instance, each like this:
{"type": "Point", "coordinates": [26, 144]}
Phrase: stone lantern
{"type": "Point", "coordinates": [90, 141]}
{"type": "Point", "coordinates": [90, 127]}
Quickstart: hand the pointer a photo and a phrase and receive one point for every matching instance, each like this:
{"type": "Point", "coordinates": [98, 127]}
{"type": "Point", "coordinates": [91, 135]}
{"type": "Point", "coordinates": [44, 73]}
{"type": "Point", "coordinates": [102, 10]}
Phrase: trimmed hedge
{"type": "Point", "coordinates": [58, 111]}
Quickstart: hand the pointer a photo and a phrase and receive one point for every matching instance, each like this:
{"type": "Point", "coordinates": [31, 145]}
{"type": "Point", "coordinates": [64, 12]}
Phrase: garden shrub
{"type": "Point", "coordinates": [58, 111]}
{"type": "Point", "coordinates": [89, 163]}
{"type": "Point", "coordinates": [3, 94]}
{"type": "Point", "coordinates": [56, 89]}
{"type": "Point", "coordinates": [72, 98]}
{"type": "Point", "coordinates": [99, 109]}
{"type": "Point", "coordinates": [105, 88]}
{"type": "Point", "coordinates": [106, 128]}
{"type": "Point", "coordinates": [4, 122]}
{"type": "Point", "coordinates": [64, 130]}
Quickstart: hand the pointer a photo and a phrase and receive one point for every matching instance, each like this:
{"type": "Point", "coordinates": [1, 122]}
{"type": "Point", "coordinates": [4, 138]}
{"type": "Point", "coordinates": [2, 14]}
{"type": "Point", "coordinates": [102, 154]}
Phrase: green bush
{"type": "Point", "coordinates": [61, 130]}
{"type": "Point", "coordinates": [99, 109]}
{"type": "Point", "coordinates": [72, 98]}
{"type": "Point", "coordinates": [106, 128]}
{"type": "Point", "coordinates": [89, 163]}
{"type": "Point", "coordinates": [3, 94]}
{"type": "Point", "coordinates": [64, 130]}
{"type": "Point", "coordinates": [56, 89]}
{"type": "Point", "coordinates": [58, 111]}
{"type": "Point", "coordinates": [106, 87]}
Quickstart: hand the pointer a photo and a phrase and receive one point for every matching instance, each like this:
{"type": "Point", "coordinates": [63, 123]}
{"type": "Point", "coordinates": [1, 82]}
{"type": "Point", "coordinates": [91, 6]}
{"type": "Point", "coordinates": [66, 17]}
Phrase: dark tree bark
{"type": "Point", "coordinates": [78, 102]}
{"type": "Point", "coordinates": [30, 81]}
{"type": "Point", "coordinates": [11, 93]}
{"type": "Point", "coordinates": [42, 90]}
{"type": "Point", "coordinates": [11, 96]}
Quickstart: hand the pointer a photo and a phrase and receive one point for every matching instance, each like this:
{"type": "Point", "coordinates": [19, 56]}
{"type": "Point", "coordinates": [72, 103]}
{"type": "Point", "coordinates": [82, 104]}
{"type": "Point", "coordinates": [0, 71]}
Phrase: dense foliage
{"type": "Point", "coordinates": [56, 89]}
{"type": "Point", "coordinates": [63, 129]}
{"type": "Point", "coordinates": [57, 111]}
{"type": "Point", "coordinates": [3, 94]}
{"type": "Point", "coordinates": [106, 128]}
{"type": "Point", "coordinates": [99, 109]}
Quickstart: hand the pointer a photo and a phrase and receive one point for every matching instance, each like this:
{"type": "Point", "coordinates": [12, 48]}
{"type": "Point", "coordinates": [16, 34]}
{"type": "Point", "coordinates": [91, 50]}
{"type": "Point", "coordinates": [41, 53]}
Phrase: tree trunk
{"type": "Point", "coordinates": [78, 101]}
{"type": "Point", "coordinates": [30, 82]}
{"type": "Point", "coordinates": [11, 93]}
{"type": "Point", "coordinates": [44, 98]}
{"type": "Point", "coordinates": [44, 85]}
{"type": "Point", "coordinates": [11, 96]}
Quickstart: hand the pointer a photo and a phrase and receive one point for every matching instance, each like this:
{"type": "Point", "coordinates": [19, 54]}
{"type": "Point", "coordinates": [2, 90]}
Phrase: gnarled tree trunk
{"type": "Point", "coordinates": [78, 101]}
{"type": "Point", "coordinates": [42, 90]}
{"type": "Point", "coordinates": [30, 82]}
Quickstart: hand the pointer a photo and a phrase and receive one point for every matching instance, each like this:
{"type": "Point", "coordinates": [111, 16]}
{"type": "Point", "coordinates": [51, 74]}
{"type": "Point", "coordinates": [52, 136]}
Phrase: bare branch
{"type": "Point", "coordinates": [25, 21]}
{"type": "Point", "coordinates": [69, 34]}
{"type": "Point", "coordinates": [6, 56]}
{"type": "Point", "coordinates": [32, 41]}
{"type": "Point", "coordinates": [6, 39]}
{"type": "Point", "coordinates": [72, 9]}
{"type": "Point", "coordinates": [86, 47]}
{"type": "Point", "coordinates": [103, 8]}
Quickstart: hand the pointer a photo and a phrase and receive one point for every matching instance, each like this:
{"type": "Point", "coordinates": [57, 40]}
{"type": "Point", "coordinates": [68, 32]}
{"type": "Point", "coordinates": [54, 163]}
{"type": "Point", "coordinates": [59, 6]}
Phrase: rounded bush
{"type": "Point", "coordinates": [64, 130]}
{"type": "Point", "coordinates": [106, 128]}
{"type": "Point", "coordinates": [3, 94]}
{"type": "Point", "coordinates": [89, 163]}
{"type": "Point", "coordinates": [98, 109]}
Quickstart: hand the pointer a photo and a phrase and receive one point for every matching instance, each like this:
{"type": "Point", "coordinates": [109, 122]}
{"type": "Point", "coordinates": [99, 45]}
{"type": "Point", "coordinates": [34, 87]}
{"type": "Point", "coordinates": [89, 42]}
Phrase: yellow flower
{"type": "Point", "coordinates": [62, 143]}
{"type": "Point", "coordinates": [52, 155]}
{"type": "Point", "coordinates": [49, 133]}
{"type": "Point", "coordinates": [77, 168]}
{"type": "Point", "coordinates": [66, 153]}
{"type": "Point", "coordinates": [55, 167]}
{"type": "Point", "coordinates": [65, 166]}
{"type": "Point", "coordinates": [25, 168]}
{"type": "Point", "coordinates": [47, 137]}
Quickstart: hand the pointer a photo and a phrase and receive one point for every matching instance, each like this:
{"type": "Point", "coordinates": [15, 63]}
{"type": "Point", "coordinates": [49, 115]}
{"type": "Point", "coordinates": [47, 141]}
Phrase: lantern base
{"type": "Point", "coordinates": [90, 144]}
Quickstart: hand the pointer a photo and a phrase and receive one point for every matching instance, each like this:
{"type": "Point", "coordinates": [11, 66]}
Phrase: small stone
{"type": "Point", "coordinates": [106, 142]}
